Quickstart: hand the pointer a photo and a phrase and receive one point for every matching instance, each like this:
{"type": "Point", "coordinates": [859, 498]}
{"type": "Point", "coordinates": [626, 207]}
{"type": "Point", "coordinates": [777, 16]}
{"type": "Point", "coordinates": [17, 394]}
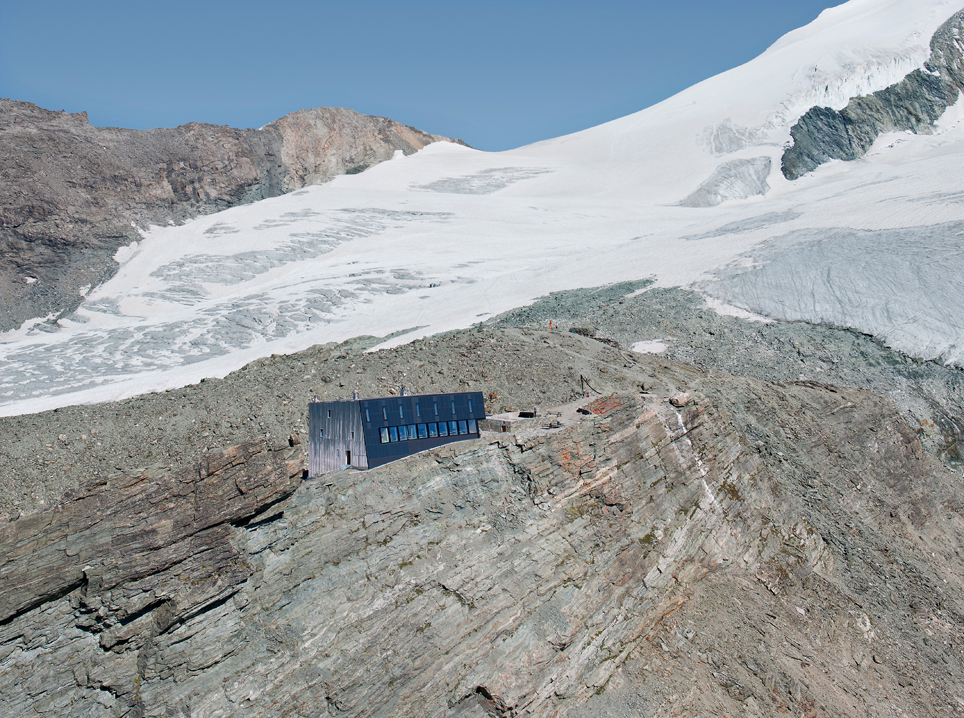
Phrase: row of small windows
{"type": "Point", "coordinates": [418, 411]}
{"type": "Point", "coordinates": [391, 434]}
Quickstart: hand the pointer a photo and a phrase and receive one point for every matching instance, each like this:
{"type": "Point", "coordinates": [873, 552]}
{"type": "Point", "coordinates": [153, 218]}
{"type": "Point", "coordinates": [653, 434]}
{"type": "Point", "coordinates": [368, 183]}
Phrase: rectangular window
{"type": "Point", "coordinates": [322, 433]}
{"type": "Point", "coordinates": [401, 412]}
{"type": "Point", "coordinates": [418, 411]}
{"type": "Point", "coordinates": [368, 417]}
{"type": "Point", "coordinates": [385, 413]}
{"type": "Point", "coordinates": [329, 413]}
{"type": "Point", "coordinates": [383, 433]}
{"type": "Point", "coordinates": [422, 431]}
{"type": "Point", "coordinates": [473, 427]}
{"type": "Point", "coordinates": [435, 404]}
{"type": "Point", "coordinates": [393, 433]}
{"type": "Point", "coordinates": [403, 433]}
{"type": "Point", "coordinates": [453, 406]}
{"type": "Point", "coordinates": [463, 427]}
{"type": "Point", "coordinates": [443, 428]}
{"type": "Point", "coordinates": [453, 428]}
{"type": "Point", "coordinates": [412, 431]}
{"type": "Point", "coordinates": [433, 430]}
{"type": "Point", "coordinates": [470, 406]}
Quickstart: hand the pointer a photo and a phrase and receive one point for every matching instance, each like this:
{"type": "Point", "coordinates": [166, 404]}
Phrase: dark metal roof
{"type": "Point", "coordinates": [419, 414]}
{"type": "Point", "coordinates": [415, 410]}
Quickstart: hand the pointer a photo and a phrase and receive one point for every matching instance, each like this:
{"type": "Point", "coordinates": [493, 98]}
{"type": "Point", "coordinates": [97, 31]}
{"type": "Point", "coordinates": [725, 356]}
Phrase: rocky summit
{"type": "Point", "coordinates": [71, 194]}
{"type": "Point", "coordinates": [914, 104]}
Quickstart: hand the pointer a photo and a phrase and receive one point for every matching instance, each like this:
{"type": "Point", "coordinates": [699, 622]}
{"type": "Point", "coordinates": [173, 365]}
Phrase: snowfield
{"type": "Point", "coordinates": [688, 192]}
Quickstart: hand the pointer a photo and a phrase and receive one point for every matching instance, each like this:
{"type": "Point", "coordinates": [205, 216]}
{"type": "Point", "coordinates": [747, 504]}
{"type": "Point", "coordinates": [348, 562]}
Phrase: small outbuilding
{"type": "Point", "coordinates": [365, 433]}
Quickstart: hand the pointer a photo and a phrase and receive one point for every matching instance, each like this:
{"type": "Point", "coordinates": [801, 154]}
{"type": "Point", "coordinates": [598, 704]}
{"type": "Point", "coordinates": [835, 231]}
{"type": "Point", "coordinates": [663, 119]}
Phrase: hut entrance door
{"type": "Point", "coordinates": [348, 461]}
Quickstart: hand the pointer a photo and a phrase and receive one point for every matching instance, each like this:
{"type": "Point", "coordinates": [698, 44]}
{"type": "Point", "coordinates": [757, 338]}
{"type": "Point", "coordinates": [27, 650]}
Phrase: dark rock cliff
{"type": "Point", "coordinates": [71, 194]}
{"type": "Point", "coordinates": [913, 104]}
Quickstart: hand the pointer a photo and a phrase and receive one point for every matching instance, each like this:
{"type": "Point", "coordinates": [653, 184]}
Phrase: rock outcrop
{"type": "Point", "coordinates": [130, 558]}
{"type": "Point", "coordinates": [914, 104]}
{"type": "Point", "coordinates": [71, 194]}
{"type": "Point", "coordinates": [761, 549]}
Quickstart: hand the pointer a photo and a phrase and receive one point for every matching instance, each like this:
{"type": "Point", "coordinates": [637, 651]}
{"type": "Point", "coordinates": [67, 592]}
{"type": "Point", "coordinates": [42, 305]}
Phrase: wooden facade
{"type": "Point", "coordinates": [365, 433]}
{"type": "Point", "coordinates": [335, 437]}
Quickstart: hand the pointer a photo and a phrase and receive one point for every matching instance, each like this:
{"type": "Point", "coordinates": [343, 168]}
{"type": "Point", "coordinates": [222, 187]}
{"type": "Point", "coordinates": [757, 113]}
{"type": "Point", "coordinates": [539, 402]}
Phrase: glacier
{"type": "Point", "coordinates": [688, 192]}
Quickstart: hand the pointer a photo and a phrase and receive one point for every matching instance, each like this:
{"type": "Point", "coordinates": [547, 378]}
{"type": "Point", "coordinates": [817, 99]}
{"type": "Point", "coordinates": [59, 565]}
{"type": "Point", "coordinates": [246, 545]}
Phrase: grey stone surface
{"type": "Point", "coordinates": [913, 104]}
{"type": "Point", "coordinates": [749, 552]}
{"type": "Point", "coordinates": [929, 395]}
{"type": "Point", "coordinates": [88, 587]}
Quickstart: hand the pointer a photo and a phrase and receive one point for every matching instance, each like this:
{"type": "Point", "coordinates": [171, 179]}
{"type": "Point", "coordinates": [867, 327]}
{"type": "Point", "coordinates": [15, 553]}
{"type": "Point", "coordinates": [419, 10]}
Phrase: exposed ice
{"type": "Point", "coordinates": [902, 285]}
{"type": "Point", "coordinates": [728, 137]}
{"type": "Point", "coordinates": [736, 179]}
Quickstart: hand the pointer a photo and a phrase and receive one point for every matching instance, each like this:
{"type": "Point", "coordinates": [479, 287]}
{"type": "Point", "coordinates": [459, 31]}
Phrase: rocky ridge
{"type": "Point", "coordinates": [712, 545]}
{"type": "Point", "coordinates": [515, 360]}
{"type": "Point", "coordinates": [71, 194]}
{"type": "Point", "coordinates": [914, 104]}
{"type": "Point", "coordinates": [928, 394]}
{"type": "Point", "coordinates": [55, 451]}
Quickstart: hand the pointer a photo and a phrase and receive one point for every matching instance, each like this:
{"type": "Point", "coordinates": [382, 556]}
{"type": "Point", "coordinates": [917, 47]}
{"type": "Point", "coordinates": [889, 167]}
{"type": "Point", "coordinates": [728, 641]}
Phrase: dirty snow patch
{"type": "Point", "coordinates": [650, 346]}
{"type": "Point", "coordinates": [728, 310]}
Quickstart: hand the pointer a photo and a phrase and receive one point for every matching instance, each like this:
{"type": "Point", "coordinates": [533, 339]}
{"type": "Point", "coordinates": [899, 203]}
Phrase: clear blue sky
{"type": "Point", "coordinates": [498, 74]}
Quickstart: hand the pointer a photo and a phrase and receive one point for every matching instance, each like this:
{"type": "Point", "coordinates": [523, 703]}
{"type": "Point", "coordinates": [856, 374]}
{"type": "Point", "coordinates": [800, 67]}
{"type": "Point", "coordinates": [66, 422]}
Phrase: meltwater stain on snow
{"type": "Point", "coordinates": [901, 285]}
{"type": "Point", "coordinates": [484, 182]}
{"type": "Point", "coordinates": [321, 234]}
{"type": "Point", "coordinates": [761, 221]}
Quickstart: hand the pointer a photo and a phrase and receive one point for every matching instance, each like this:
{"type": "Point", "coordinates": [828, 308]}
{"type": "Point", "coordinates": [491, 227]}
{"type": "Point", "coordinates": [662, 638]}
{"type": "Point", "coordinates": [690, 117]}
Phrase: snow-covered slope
{"type": "Point", "coordinates": [688, 192]}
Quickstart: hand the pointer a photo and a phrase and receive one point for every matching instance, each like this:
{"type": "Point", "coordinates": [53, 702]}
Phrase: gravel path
{"type": "Point", "coordinates": [929, 395]}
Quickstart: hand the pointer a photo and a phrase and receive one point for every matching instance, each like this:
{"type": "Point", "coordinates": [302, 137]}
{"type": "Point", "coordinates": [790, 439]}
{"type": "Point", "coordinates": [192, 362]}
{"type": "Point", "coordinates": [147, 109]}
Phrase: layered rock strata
{"type": "Point", "coordinates": [95, 580]}
{"type": "Point", "coordinates": [913, 104]}
{"type": "Point", "coordinates": [746, 549]}
{"type": "Point", "coordinates": [71, 194]}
